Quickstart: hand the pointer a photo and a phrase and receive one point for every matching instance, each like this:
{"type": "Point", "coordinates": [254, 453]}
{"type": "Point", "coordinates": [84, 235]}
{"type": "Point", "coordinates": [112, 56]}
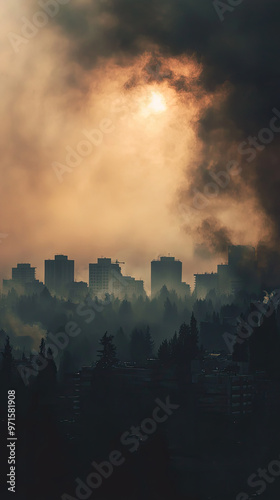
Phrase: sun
{"type": "Point", "coordinates": [157, 103]}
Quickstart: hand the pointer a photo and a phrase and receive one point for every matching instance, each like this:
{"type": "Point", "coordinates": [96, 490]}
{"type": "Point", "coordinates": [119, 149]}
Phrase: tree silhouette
{"type": "Point", "coordinates": [174, 348]}
{"type": "Point", "coordinates": [194, 337]}
{"type": "Point", "coordinates": [164, 353]}
{"type": "Point", "coordinates": [182, 348]}
{"type": "Point", "coordinates": [125, 309]}
{"type": "Point", "coordinates": [122, 345]}
{"type": "Point", "coordinates": [51, 368]}
{"type": "Point", "coordinates": [184, 345]}
{"type": "Point", "coordinates": [7, 359]}
{"type": "Point", "coordinates": [170, 311]}
{"type": "Point", "coordinates": [107, 355]}
{"type": "Point", "coordinates": [149, 343]}
{"type": "Point", "coordinates": [47, 375]}
{"type": "Point", "coordinates": [42, 347]}
{"type": "Point", "coordinates": [141, 346]}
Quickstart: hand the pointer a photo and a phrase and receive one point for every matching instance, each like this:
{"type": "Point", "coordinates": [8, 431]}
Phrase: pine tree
{"type": "Point", "coordinates": [42, 347]}
{"type": "Point", "coordinates": [51, 368]}
{"type": "Point", "coordinates": [174, 348]}
{"type": "Point", "coordinates": [7, 361]}
{"type": "Point", "coordinates": [121, 342]}
{"type": "Point", "coordinates": [107, 355]}
{"type": "Point", "coordinates": [184, 345]}
{"type": "Point", "coordinates": [194, 337]}
{"type": "Point", "coordinates": [125, 310]}
{"type": "Point", "coordinates": [170, 311]}
{"type": "Point", "coordinates": [184, 331]}
{"type": "Point", "coordinates": [164, 353]}
{"type": "Point", "coordinates": [149, 344]}
{"type": "Point", "coordinates": [141, 346]}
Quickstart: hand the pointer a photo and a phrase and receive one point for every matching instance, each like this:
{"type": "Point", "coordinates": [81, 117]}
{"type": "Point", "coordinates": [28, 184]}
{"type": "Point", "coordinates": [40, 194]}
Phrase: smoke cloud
{"type": "Point", "coordinates": [181, 91]}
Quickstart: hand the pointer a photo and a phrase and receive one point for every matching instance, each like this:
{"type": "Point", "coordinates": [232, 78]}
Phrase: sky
{"type": "Point", "coordinates": [168, 93]}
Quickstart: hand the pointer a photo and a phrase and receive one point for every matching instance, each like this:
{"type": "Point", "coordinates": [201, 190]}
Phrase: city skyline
{"type": "Point", "coordinates": [140, 270]}
{"type": "Point", "coordinates": [243, 270]}
{"type": "Point", "coordinates": [140, 250]}
{"type": "Point", "coordinates": [144, 153]}
{"type": "Point", "coordinates": [76, 275]}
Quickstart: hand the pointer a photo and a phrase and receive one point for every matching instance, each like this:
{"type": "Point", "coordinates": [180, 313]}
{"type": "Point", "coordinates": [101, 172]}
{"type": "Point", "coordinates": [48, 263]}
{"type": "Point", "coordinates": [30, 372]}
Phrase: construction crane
{"type": "Point", "coordinates": [118, 262]}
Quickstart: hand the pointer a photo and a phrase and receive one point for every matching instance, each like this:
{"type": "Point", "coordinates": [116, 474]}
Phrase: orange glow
{"type": "Point", "coordinates": [157, 103]}
{"type": "Point", "coordinates": [116, 201]}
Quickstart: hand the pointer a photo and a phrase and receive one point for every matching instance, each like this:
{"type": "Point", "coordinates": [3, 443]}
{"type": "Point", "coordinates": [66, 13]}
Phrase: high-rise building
{"type": "Point", "coordinates": [23, 280]}
{"type": "Point", "coordinates": [167, 272]}
{"type": "Point", "coordinates": [204, 283]}
{"type": "Point", "coordinates": [268, 260]}
{"type": "Point", "coordinates": [243, 268]}
{"type": "Point", "coordinates": [133, 287]}
{"type": "Point", "coordinates": [239, 275]}
{"type": "Point", "coordinates": [23, 274]}
{"type": "Point", "coordinates": [241, 256]}
{"type": "Point", "coordinates": [225, 277]}
{"type": "Point", "coordinates": [59, 274]}
{"type": "Point", "coordinates": [105, 276]}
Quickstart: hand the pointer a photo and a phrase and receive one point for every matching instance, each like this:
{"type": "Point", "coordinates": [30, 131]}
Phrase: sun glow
{"type": "Point", "coordinates": [157, 103]}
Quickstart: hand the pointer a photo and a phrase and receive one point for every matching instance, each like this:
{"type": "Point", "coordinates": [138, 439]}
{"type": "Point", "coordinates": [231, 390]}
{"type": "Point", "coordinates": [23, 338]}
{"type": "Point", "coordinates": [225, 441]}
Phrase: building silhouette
{"type": "Point", "coordinates": [204, 283]}
{"type": "Point", "coordinates": [77, 290]}
{"type": "Point", "coordinates": [23, 280]}
{"type": "Point", "coordinates": [239, 274]}
{"type": "Point", "coordinates": [225, 278]}
{"type": "Point", "coordinates": [23, 273]}
{"type": "Point", "coordinates": [59, 274]}
{"type": "Point", "coordinates": [133, 287]}
{"type": "Point", "coordinates": [168, 272]}
{"type": "Point", "coordinates": [241, 255]}
{"type": "Point", "coordinates": [106, 276]}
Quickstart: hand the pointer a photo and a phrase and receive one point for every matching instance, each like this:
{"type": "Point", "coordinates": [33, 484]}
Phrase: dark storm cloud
{"type": "Point", "coordinates": [215, 238]}
{"type": "Point", "coordinates": [242, 52]}
{"type": "Point", "coordinates": [244, 49]}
